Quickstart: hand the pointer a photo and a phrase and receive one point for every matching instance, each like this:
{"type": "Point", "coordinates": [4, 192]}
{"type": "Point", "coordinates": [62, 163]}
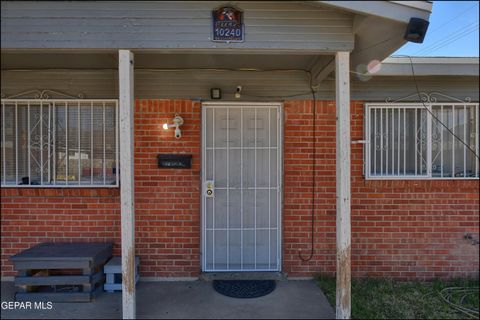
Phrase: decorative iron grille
{"type": "Point", "coordinates": [408, 140]}
{"type": "Point", "coordinates": [59, 142]}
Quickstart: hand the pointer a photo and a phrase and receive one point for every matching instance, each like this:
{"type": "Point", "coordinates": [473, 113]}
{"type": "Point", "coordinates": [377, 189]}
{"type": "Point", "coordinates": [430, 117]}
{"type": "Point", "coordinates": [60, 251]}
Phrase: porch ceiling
{"type": "Point", "coordinates": [282, 35]}
{"type": "Point", "coordinates": [33, 60]}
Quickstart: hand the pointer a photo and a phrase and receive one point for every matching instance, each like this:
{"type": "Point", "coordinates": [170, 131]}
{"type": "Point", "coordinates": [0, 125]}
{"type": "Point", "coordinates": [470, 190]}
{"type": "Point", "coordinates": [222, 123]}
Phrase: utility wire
{"type": "Point", "coordinates": [450, 42]}
{"type": "Point", "coordinates": [449, 36]}
{"type": "Point", "coordinates": [312, 231]}
{"type": "Point", "coordinates": [460, 33]}
{"type": "Point", "coordinates": [454, 18]}
{"type": "Point", "coordinates": [431, 113]}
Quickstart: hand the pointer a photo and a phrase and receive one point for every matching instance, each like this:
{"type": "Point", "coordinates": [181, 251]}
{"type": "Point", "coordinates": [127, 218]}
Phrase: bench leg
{"type": "Point", "coordinates": [110, 280]}
{"type": "Point", "coordinates": [87, 287]}
{"type": "Point", "coordinates": [24, 273]}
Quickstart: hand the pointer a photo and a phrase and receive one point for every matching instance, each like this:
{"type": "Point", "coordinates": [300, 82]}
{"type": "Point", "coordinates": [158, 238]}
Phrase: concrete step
{"type": "Point", "coordinates": [210, 276]}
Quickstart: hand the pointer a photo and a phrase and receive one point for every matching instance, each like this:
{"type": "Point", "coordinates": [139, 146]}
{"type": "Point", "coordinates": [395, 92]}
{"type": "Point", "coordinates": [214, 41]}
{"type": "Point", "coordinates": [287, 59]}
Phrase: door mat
{"type": "Point", "coordinates": [244, 288]}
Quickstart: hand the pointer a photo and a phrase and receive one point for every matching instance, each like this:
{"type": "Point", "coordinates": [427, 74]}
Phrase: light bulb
{"type": "Point", "coordinates": [238, 92]}
{"type": "Point", "coordinates": [165, 126]}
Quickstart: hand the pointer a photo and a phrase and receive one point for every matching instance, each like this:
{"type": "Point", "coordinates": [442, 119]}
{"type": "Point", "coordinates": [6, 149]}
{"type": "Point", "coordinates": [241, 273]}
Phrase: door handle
{"type": "Point", "coordinates": [209, 189]}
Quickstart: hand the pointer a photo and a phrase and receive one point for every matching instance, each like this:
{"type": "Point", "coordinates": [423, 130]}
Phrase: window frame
{"type": "Point", "coordinates": [414, 105]}
{"type": "Point", "coordinates": [58, 102]}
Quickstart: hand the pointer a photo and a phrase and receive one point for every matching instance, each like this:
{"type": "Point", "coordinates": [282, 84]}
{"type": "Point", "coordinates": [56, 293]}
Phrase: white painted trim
{"type": "Point", "coordinates": [203, 234]}
{"type": "Point", "coordinates": [390, 10]}
{"type": "Point", "coordinates": [414, 104]}
{"type": "Point", "coordinates": [26, 103]}
{"type": "Point", "coordinates": [342, 93]}
{"type": "Point", "coordinates": [407, 105]}
{"type": "Point", "coordinates": [60, 100]}
{"type": "Point", "coordinates": [428, 66]}
{"type": "Point", "coordinates": [422, 5]}
{"type": "Point", "coordinates": [69, 186]}
{"type": "Point", "coordinates": [125, 71]}
{"type": "Point", "coordinates": [431, 60]}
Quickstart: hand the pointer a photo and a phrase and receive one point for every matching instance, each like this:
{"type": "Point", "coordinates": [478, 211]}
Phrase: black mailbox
{"type": "Point", "coordinates": [175, 161]}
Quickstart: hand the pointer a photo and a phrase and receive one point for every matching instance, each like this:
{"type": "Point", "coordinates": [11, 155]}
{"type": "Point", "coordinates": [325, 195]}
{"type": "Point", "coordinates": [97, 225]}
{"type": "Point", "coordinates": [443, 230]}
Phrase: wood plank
{"type": "Point", "coordinates": [24, 272]}
{"type": "Point", "coordinates": [127, 187]}
{"type": "Point", "coordinates": [19, 23]}
{"type": "Point", "coordinates": [201, 13]}
{"type": "Point", "coordinates": [342, 92]}
{"type": "Point", "coordinates": [200, 31]}
{"type": "Point", "coordinates": [170, 6]}
{"type": "Point", "coordinates": [54, 296]}
{"type": "Point", "coordinates": [51, 264]}
{"type": "Point", "coordinates": [53, 280]}
{"type": "Point", "coordinates": [175, 84]}
{"type": "Point", "coordinates": [63, 251]}
{"type": "Point", "coordinates": [293, 26]}
{"type": "Point", "coordinates": [192, 37]}
{"type": "Point", "coordinates": [264, 46]}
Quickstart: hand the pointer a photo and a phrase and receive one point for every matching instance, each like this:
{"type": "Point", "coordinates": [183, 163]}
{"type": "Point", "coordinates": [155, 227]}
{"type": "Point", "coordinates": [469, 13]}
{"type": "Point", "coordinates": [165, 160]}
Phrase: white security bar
{"type": "Point", "coordinates": [44, 145]}
{"type": "Point", "coordinates": [408, 141]}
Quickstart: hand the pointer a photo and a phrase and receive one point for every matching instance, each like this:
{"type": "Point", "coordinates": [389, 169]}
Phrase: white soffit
{"type": "Point", "coordinates": [430, 66]}
{"type": "Point", "coordinates": [379, 27]}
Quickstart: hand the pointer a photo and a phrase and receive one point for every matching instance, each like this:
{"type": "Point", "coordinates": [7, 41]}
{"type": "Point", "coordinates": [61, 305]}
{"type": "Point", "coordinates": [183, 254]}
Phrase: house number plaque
{"type": "Point", "coordinates": [227, 25]}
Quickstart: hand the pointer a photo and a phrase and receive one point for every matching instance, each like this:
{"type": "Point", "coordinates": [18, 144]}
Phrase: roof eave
{"type": "Point", "coordinates": [429, 66]}
{"type": "Point", "coordinates": [400, 11]}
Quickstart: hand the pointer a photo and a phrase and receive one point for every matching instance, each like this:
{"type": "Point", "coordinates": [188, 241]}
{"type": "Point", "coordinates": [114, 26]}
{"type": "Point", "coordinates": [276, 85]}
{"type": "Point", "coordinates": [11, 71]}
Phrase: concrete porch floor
{"type": "Point", "coordinates": [186, 300]}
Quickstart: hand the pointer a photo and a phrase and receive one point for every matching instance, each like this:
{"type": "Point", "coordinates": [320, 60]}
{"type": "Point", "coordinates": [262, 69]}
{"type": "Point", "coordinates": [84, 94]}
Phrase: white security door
{"type": "Point", "coordinates": [241, 187]}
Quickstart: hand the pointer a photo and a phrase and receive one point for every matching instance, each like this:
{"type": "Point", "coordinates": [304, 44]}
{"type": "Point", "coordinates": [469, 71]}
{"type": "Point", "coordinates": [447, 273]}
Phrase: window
{"type": "Point", "coordinates": [405, 141]}
{"type": "Point", "coordinates": [51, 142]}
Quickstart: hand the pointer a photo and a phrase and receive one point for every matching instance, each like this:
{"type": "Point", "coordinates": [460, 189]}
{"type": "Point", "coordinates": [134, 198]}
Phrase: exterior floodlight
{"type": "Point", "coordinates": [416, 30]}
{"type": "Point", "coordinates": [215, 93]}
{"type": "Point", "coordinates": [177, 122]}
{"type": "Point", "coordinates": [238, 92]}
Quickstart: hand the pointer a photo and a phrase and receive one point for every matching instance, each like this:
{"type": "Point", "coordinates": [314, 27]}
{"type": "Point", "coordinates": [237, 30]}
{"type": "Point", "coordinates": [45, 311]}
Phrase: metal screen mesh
{"type": "Point", "coordinates": [242, 158]}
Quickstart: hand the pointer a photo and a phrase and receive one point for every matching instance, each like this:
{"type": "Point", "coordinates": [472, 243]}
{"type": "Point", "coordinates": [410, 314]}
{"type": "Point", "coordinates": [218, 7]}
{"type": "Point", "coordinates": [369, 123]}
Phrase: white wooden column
{"type": "Point", "coordinates": [342, 80]}
{"type": "Point", "coordinates": [125, 76]}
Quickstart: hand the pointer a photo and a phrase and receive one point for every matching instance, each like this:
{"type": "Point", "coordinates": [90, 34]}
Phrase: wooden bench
{"type": "Point", "coordinates": [61, 272]}
{"type": "Point", "coordinates": [113, 271]}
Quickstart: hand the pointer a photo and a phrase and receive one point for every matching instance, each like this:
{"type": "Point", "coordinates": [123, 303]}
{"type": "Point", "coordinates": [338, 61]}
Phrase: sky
{"type": "Point", "coordinates": [453, 31]}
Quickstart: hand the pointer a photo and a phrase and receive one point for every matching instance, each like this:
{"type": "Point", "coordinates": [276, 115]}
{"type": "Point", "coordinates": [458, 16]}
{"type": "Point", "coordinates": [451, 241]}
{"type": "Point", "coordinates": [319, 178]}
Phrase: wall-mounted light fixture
{"type": "Point", "coordinates": [238, 92]}
{"type": "Point", "coordinates": [215, 93]}
{"type": "Point", "coordinates": [177, 122]}
{"type": "Point", "coordinates": [416, 30]}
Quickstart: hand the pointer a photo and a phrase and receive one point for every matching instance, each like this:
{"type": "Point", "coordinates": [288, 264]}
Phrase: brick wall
{"type": "Point", "coordinates": [33, 215]}
{"type": "Point", "coordinates": [402, 229]}
{"type": "Point", "coordinates": [297, 198]}
{"type": "Point", "coordinates": [411, 228]}
{"type": "Point", "coordinates": [167, 200]}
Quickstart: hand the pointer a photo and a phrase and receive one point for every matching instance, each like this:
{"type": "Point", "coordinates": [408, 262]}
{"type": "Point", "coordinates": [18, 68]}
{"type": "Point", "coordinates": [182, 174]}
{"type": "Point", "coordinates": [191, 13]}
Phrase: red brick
{"type": "Point", "coordinates": [400, 228]}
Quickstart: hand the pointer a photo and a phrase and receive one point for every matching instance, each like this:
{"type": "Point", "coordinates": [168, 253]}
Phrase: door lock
{"type": "Point", "coordinates": [209, 189]}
